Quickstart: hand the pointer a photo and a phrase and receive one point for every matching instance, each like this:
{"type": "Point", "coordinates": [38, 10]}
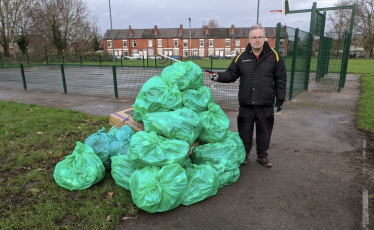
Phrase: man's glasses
{"type": "Point", "coordinates": [257, 38]}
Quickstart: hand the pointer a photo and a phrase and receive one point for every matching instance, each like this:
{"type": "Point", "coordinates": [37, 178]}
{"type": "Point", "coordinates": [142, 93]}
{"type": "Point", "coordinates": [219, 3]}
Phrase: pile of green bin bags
{"type": "Point", "coordinates": [156, 164]}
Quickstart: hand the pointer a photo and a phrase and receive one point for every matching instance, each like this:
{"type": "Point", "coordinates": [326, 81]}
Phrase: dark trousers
{"type": "Point", "coordinates": [263, 116]}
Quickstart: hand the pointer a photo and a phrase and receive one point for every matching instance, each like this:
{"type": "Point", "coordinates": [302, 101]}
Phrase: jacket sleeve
{"type": "Point", "coordinates": [231, 74]}
{"type": "Point", "coordinates": [280, 80]}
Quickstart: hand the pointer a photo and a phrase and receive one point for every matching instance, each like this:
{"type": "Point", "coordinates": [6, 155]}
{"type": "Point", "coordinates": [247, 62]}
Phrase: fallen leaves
{"type": "Point", "coordinates": [126, 218]}
{"type": "Point", "coordinates": [79, 128]}
{"type": "Point", "coordinates": [110, 194]}
{"type": "Point", "coordinates": [40, 169]}
{"type": "Point", "coordinates": [50, 152]}
{"type": "Point", "coordinates": [98, 207]}
{"type": "Point", "coordinates": [39, 133]}
{"type": "Point", "coordinates": [34, 190]}
{"type": "Point", "coordinates": [108, 217]}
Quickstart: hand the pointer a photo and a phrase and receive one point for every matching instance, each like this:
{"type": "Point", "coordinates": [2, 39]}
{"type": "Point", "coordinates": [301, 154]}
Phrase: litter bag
{"type": "Point", "coordinates": [117, 148]}
{"type": "Point", "coordinates": [216, 124]}
{"type": "Point", "coordinates": [182, 124]}
{"type": "Point", "coordinates": [225, 157]}
{"type": "Point", "coordinates": [122, 169]}
{"type": "Point", "coordinates": [156, 96]}
{"type": "Point", "coordinates": [197, 100]}
{"type": "Point", "coordinates": [186, 75]}
{"type": "Point", "coordinates": [79, 170]}
{"type": "Point", "coordinates": [150, 149]}
{"type": "Point", "coordinates": [124, 134]}
{"type": "Point", "coordinates": [100, 142]}
{"type": "Point", "coordinates": [158, 190]}
{"type": "Point", "coordinates": [187, 162]}
{"type": "Point", "coordinates": [203, 182]}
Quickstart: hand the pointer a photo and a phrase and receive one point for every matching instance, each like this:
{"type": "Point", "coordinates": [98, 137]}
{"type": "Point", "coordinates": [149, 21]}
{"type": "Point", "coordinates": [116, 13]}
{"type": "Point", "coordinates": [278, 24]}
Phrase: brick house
{"type": "Point", "coordinates": [177, 41]}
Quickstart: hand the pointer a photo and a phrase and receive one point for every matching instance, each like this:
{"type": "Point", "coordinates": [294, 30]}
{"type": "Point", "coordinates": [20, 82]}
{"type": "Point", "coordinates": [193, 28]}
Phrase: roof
{"type": "Point", "coordinates": [241, 32]}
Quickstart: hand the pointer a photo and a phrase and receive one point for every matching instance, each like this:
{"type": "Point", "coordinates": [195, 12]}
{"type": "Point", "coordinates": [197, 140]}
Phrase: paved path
{"type": "Point", "coordinates": [316, 182]}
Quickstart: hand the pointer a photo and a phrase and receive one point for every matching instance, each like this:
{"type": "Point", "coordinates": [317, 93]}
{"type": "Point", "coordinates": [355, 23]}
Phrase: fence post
{"type": "Point", "coordinates": [156, 62]}
{"type": "Point", "coordinates": [171, 62]}
{"type": "Point", "coordinates": [1, 61]}
{"type": "Point", "coordinates": [147, 60]}
{"type": "Point", "coordinates": [27, 56]}
{"type": "Point", "coordinates": [143, 61]}
{"type": "Point", "coordinates": [63, 77]}
{"type": "Point", "coordinates": [294, 62]}
{"type": "Point", "coordinates": [115, 81]}
{"type": "Point", "coordinates": [80, 56]}
{"type": "Point", "coordinates": [46, 55]}
{"type": "Point", "coordinates": [100, 61]}
{"type": "Point", "coordinates": [121, 61]}
{"type": "Point", "coordinates": [310, 45]}
{"type": "Point", "coordinates": [211, 63]}
{"type": "Point", "coordinates": [23, 77]}
{"type": "Point", "coordinates": [344, 62]}
{"type": "Point", "coordinates": [278, 37]}
{"type": "Point", "coordinates": [63, 59]}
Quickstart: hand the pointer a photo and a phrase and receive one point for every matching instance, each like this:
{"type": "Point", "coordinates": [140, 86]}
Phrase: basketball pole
{"type": "Point", "coordinates": [258, 9]}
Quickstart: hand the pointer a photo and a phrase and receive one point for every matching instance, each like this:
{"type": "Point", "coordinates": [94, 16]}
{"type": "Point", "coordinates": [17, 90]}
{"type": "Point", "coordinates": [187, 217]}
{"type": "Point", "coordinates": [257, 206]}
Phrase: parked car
{"type": "Point", "coordinates": [155, 57]}
{"type": "Point", "coordinates": [193, 57]}
{"type": "Point", "coordinates": [232, 54]}
{"type": "Point", "coordinates": [215, 57]}
{"type": "Point", "coordinates": [134, 56]}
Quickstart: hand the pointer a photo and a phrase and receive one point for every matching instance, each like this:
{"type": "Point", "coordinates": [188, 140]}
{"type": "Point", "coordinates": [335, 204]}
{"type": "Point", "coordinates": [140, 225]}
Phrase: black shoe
{"type": "Point", "coordinates": [264, 161]}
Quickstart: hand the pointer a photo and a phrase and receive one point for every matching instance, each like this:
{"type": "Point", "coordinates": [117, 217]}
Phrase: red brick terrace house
{"type": "Point", "coordinates": [176, 41]}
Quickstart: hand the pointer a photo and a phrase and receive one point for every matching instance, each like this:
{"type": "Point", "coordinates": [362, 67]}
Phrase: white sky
{"type": "Point", "coordinates": [144, 14]}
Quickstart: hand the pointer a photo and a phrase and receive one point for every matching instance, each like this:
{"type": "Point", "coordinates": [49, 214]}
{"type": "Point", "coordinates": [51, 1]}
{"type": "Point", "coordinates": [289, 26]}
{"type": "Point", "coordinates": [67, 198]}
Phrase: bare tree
{"type": "Point", "coordinates": [13, 18]}
{"type": "Point", "coordinates": [363, 25]}
{"type": "Point", "coordinates": [213, 23]}
{"type": "Point", "coordinates": [64, 22]}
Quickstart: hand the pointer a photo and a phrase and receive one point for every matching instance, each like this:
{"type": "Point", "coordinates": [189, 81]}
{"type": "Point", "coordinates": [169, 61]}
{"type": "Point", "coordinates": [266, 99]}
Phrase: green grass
{"type": "Point", "coordinates": [365, 114]}
{"type": "Point", "coordinates": [28, 158]}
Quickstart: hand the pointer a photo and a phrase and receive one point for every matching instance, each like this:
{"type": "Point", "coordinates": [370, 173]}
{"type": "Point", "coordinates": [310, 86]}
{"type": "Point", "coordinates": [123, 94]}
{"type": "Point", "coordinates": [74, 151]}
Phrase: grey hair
{"type": "Point", "coordinates": [256, 27]}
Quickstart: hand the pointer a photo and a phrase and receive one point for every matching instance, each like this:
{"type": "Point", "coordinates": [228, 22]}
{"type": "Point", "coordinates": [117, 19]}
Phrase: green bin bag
{"type": "Point", "coordinates": [225, 157]}
{"type": "Point", "coordinates": [216, 124]}
{"type": "Point", "coordinates": [100, 143]}
{"type": "Point", "coordinates": [150, 149]}
{"type": "Point", "coordinates": [197, 100]}
{"type": "Point", "coordinates": [79, 170]}
{"type": "Point", "coordinates": [122, 169]}
{"type": "Point", "coordinates": [122, 139]}
{"type": "Point", "coordinates": [182, 124]}
{"type": "Point", "coordinates": [124, 133]}
{"type": "Point", "coordinates": [156, 96]}
{"type": "Point", "coordinates": [158, 190]}
{"type": "Point", "coordinates": [117, 148]}
{"type": "Point", "coordinates": [187, 162]}
{"type": "Point", "coordinates": [186, 75]}
{"type": "Point", "coordinates": [203, 182]}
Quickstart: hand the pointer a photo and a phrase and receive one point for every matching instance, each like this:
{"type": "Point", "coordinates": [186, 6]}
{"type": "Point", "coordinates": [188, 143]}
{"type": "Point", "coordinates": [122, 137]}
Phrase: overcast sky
{"type": "Point", "coordinates": [144, 14]}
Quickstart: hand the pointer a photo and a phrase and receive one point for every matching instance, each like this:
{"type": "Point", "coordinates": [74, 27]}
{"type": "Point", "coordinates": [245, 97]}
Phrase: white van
{"type": "Point", "coordinates": [232, 54]}
{"type": "Point", "coordinates": [134, 56]}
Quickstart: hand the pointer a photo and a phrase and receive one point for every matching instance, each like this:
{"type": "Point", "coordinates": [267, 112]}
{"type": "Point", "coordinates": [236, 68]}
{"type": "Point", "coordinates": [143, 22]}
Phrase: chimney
{"type": "Point", "coordinates": [181, 29]}
{"type": "Point", "coordinates": [206, 30]}
{"type": "Point", "coordinates": [232, 31]}
{"type": "Point", "coordinates": [156, 30]}
{"type": "Point", "coordinates": [130, 30]}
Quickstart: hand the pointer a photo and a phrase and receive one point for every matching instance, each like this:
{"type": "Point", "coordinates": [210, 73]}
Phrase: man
{"type": "Point", "coordinates": [261, 71]}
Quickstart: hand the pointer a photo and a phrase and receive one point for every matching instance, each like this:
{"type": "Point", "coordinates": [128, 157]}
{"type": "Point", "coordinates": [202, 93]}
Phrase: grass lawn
{"type": "Point", "coordinates": [33, 140]}
{"type": "Point", "coordinates": [365, 110]}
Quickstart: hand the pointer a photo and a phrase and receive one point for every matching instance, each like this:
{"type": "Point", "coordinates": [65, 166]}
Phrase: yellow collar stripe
{"type": "Point", "coordinates": [238, 56]}
{"type": "Point", "coordinates": [276, 54]}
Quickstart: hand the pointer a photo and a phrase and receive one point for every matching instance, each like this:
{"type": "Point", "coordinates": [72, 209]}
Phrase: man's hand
{"type": "Point", "coordinates": [278, 106]}
{"type": "Point", "coordinates": [213, 76]}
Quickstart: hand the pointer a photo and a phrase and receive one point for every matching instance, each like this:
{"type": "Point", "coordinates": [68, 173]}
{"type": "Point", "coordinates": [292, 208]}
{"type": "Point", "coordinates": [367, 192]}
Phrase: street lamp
{"type": "Point", "coordinates": [111, 30]}
{"type": "Point", "coordinates": [258, 9]}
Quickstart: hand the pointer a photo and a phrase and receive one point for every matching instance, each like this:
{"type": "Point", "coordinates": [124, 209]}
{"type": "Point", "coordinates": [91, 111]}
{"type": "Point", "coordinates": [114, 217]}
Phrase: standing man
{"type": "Point", "coordinates": [261, 71]}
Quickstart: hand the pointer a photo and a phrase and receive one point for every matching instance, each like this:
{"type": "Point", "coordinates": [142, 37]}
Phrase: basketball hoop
{"type": "Point", "coordinates": [276, 11]}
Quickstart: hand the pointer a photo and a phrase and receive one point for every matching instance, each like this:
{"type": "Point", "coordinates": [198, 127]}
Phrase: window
{"type": "Point", "coordinates": [160, 51]}
{"type": "Point", "coordinates": [150, 43]}
{"type": "Point", "coordinates": [124, 43]}
{"type": "Point", "coordinates": [227, 51]}
{"type": "Point", "coordinates": [201, 52]}
{"type": "Point", "coordinates": [175, 42]}
{"type": "Point", "coordinates": [210, 42]}
{"type": "Point", "coordinates": [109, 44]}
{"type": "Point", "coordinates": [210, 52]}
{"type": "Point", "coordinates": [176, 51]}
{"type": "Point", "coordinates": [150, 52]}
{"type": "Point", "coordinates": [185, 53]}
{"type": "Point", "coordinates": [281, 42]}
{"type": "Point", "coordinates": [125, 52]}
{"type": "Point", "coordinates": [135, 51]}
{"type": "Point", "coordinates": [134, 43]}
{"type": "Point", "coordinates": [159, 43]}
{"type": "Point", "coordinates": [227, 43]}
{"type": "Point", "coordinates": [281, 51]}
{"type": "Point", "coordinates": [237, 42]}
{"type": "Point", "coordinates": [194, 52]}
{"type": "Point", "coordinates": [201, 42]}
{"type": "Point", "coordinates": [185, 43]}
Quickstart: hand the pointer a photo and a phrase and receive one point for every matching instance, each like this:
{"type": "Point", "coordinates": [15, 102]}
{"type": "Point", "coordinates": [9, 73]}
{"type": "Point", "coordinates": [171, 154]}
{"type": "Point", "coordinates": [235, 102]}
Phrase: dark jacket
{"type": "Point", "coordinates": [258, 78]}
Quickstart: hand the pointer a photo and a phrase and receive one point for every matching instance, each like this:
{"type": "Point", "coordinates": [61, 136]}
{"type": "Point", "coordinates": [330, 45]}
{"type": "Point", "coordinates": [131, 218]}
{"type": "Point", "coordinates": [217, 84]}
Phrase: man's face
{"type": "Point", "coordinates": [257, 39]}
